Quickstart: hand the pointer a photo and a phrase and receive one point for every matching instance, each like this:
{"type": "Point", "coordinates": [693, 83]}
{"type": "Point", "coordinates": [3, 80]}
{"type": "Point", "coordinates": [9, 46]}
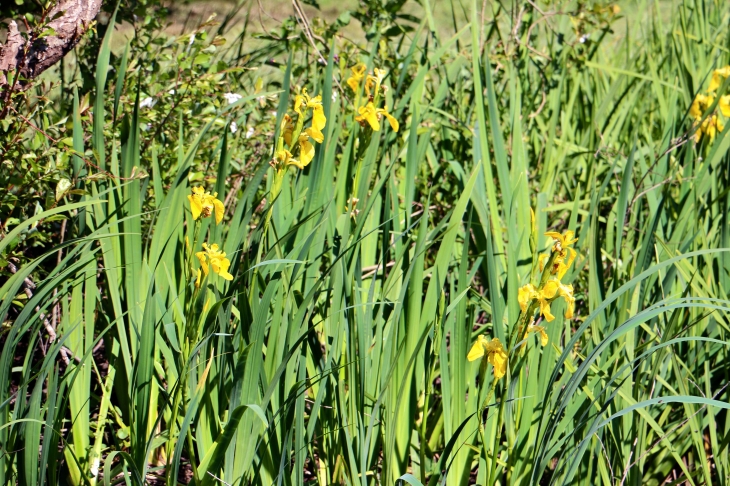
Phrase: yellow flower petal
{"type": "Point", "coordinates": [700, 105]}
{"type": "Point", "coordinates": [220, 210]}
{"type": "Point", "coordinates": [223, 266]}
{"type": "Point", "coordinates": [564, 240]}
{"type": "Point", "coordinates": [306, 153]}
{"type": "Point", "coordinates": [545, 310]}
{"type": "Point", "coordinates": [477, 350]}
{"type": "Point", "coordinates": [525, 295]}
{"type": "Point", "coordinates": [316, 135]}
{"type": "Point", "coordinates": [283, 157]}
{"type": "Point", "coordinates": [497, 357]}
{"type": "Point", "coordinates": [393, 122]}
{"type": "Point", "coordinates": [541, 331]}
{"type": "Point", "coordinates": [718, 77]}
{"type": "Point", "coordinates": [368, 114]}
{"type": "Point", "coordinates": [550, 289]}
{"type": "Point", "coordinates": [318, 118]}
{"type": "Point", "coordinates": [196, 206]}
{"type": "Point", "coordinates": [499, 361]}
{"type": "Point", "coordinates": [203, 204]}
{"type": "Point", "coordinates": [217, 260]}
{"type": "Point", "coordinates": [299, 102]}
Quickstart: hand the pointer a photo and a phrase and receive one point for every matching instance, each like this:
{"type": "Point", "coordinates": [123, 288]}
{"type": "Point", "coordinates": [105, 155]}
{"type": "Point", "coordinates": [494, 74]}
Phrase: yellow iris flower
{"type": "Point", "coordinates": [393, 122]}
{"type": "Point", "coordinates": [562, 241]}
{"type": "Point", "coordinates": [213, 258]}
{"type": "Point", "coordinates": [358, 72]}
{"type": "Point", "coordinates": [710, 127]}
{"type": "Point", "coordinates": [718, 77]}
{"type": "Point", "coordinates": [284, 158]}
{"type": "Point", "coordinates": [525, 295]}
{"type": "Point", "coordinates": [374, 80]}
{"type": "Point", "coordinates": [563, 247]}
{"type": "Point", "coordinates": [372, 116]}
{"type": "Point", "coordinates": [700, 105]}
{"type": "Point", "coordinates": [204, 204]}
{"type": "Point", "coordinates": [496, 355]}
{"type": "Point", "coordinates": [304, 101]}
{"type": "Point", "coordinates": [540, 330]}
{"type": "Point", "coordinates": [368, 114]}
{"type": "Point", "coordinates": [550, 291]}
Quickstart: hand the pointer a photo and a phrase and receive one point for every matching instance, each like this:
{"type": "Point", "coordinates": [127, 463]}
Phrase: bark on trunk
{"type": "Point", "coordinates": [69, 19]}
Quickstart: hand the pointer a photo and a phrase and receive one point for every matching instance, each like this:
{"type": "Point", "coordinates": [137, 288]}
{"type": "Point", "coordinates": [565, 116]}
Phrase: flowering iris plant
{"type": "Point", "coordinates": [707, 122]}
{"type": "Point", "coordinates": [535, 298]}
{"type": "Point", "coordinates": [204, 204]}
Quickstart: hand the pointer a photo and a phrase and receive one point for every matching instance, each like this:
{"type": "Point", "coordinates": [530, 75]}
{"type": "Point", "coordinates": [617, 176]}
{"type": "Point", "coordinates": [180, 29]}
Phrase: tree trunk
{"type": "Point", "coordinates": [69, 19]}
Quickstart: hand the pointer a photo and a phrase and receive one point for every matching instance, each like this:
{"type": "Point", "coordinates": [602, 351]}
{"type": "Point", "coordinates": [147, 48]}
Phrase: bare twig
{"type": "Point", "coordinates": [29, 286]}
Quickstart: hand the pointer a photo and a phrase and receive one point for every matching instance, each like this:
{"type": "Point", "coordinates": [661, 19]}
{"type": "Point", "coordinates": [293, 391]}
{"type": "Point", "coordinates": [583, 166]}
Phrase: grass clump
{"type": "Point", "coordinates": [497, 256]}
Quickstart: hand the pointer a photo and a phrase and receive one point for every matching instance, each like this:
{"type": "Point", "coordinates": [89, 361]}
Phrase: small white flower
{"type": "Point", "coordinates": [334, 96]}
{"type": "Point", "coordinates": [584, 38]}
{"type": "Point", "coordinates": [249, 132]}
{"type": "Point", "coordinates": [147, 103]}
{"type": "Point", "coordinates": [192, 39]}
{"type": "Point", "coordinates": [171, 92]}
{"type": "Point", "coordinates": [232, 97]}
{"type": "Point", "coordinates": [234, 127]}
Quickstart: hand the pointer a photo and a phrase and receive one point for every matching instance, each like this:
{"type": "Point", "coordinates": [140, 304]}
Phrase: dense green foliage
{"type": "Point", "coordinates": [338, 351]}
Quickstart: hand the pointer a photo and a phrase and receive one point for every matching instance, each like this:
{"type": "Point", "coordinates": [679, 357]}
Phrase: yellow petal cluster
{"type": "Point", "coordinates": [496, 355]}
{"type": "Point", "coordinates": [358, 72]}
{"type": "Point", "coordinates": [699, 105]}
{"type": "Point", "coordinates": [372, 116]}
{"type": "Point", "coordinates": [296, 136]}
{"type": "Point", "coordinates": [306, 150]}
{"type": "Point", "coordinates": [561, 256]}
{"type": "Point", "coordinates": [369, 113]}
{"type": "Point", "coordinates": [204, 204]}
{"type": "Point", "coordinates": [527, 294]}
{"type": "Point", "coordinates": [213, 258]}
{"type": "Point", "coordinates": [718, 77]}
{"type": "Point", "coordinates": [710, 125]}
{"type": "Point", "coordinates": [375, 80]}
{"type": "Point", "coordinates": [565, 255]}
